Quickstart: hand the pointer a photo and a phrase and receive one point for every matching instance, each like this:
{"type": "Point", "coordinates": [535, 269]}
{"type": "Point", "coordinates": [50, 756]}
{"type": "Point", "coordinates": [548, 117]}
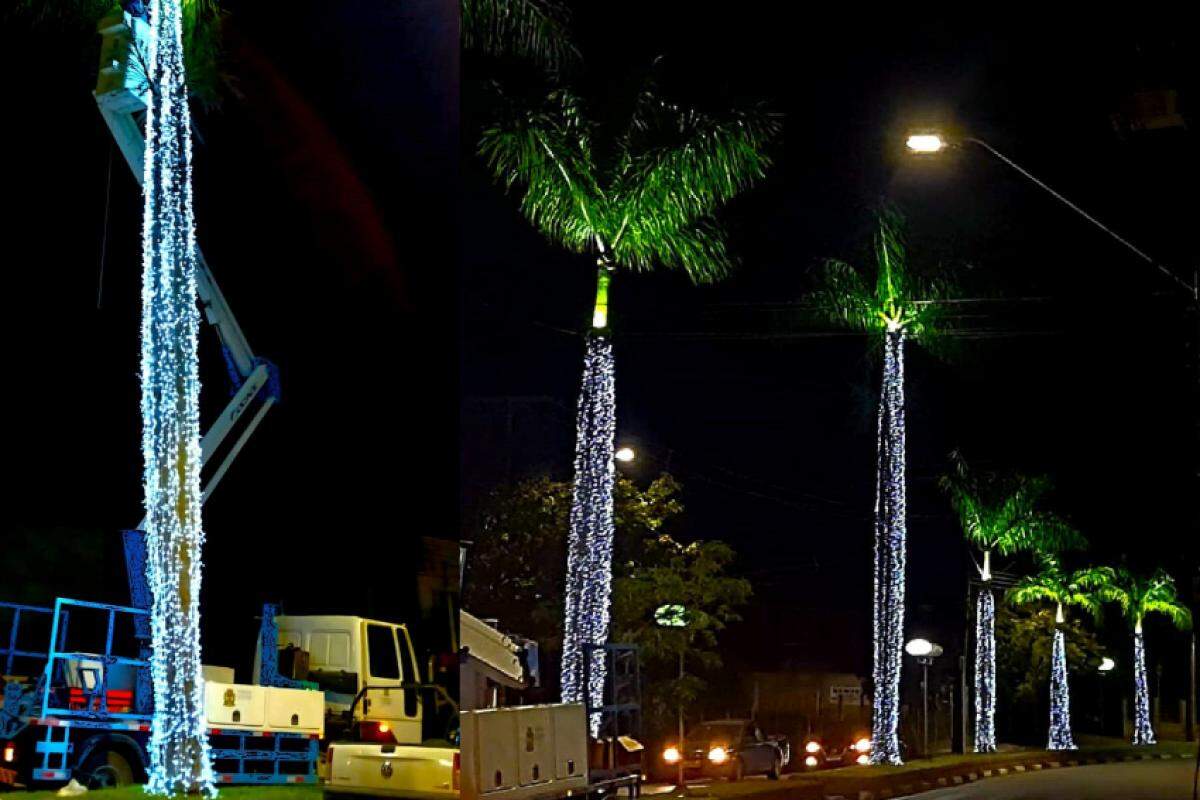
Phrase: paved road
{"type": "Point", "coordinates": [1138, 780]}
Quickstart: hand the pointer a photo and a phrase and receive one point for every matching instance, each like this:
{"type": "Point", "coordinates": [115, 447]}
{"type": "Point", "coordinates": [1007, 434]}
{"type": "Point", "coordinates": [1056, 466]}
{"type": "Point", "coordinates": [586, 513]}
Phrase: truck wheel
{"type": "Point", "coordinates": [107, 769]}
{"type": "Point", "coordinates": [776, 769]}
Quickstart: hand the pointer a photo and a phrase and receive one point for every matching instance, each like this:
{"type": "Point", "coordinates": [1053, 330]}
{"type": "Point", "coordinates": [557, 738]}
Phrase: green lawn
{"type": "Point", "coordinates": [230, 792]}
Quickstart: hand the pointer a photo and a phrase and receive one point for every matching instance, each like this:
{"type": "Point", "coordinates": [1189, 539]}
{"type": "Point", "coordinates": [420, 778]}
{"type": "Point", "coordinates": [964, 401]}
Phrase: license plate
{"type": "Point", "coordinates": [693, 764]}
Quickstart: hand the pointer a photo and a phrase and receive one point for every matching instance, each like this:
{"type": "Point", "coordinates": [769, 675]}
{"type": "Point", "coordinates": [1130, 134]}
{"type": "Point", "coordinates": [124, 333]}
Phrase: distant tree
{"type": "Point", "coordinates": [1062, 589]}
{"type": "Point", "coordinates": [516, 569]}
{"type": "Point", "coordinates": [1137, 598]}
{"type": "Point", "coordinates": [694, 576]}
{"type": "Point", "coordinates": [896, 305]}
{"type": "Point", "coordinates": [516, 565]}
{"type": "Point", "coordinates": [1024, 651]}
{"type": "Point", "coordinates": [1000, 514]}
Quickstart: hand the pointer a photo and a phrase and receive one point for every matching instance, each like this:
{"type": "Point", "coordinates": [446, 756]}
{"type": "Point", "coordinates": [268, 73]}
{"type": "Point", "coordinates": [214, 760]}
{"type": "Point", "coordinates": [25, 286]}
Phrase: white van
{"type": "Point", "coordinates": [349, 654]}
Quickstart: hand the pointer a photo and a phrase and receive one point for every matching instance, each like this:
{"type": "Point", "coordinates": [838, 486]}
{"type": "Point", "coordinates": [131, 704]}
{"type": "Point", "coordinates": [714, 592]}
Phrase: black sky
{"type": "Point", "coordinates": [771, 427]}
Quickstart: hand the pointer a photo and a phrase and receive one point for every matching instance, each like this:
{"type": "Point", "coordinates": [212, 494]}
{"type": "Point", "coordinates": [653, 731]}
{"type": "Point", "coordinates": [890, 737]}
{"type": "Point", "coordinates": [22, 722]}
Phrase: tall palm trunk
{"type": "Point", "coordinates": [985, 670]}
{"type": "Point", "coordinates": [890, 528]}
{"type": "Point", "coordinates": [589, 549]}
{"type": "Point", "coordinates": [1143, 731]}
{"type": "Point", "coordinates": [178, 749]}
{"type": "Point", "coordinates": [1060, 693]}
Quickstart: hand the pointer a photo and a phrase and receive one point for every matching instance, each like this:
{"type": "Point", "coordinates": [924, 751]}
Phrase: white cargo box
{"type": "Point", "coordinates": [295, 710]}
{"type": "Point", "coordinates": [234, 705]}
{"type": "Point", "coordinates": [525, 752]}
{"type": "Point", "coordinates": [238, 706]}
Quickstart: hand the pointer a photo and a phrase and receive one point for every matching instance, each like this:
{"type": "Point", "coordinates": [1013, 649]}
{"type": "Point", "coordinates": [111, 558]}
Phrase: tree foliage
{"type": "Point", "coordinates": [643, 198]}
{"type": "Point", "coordinates": [896, 298]}
{"type": "Point", "coordinates": [1002, 513]}
{"type": "Point", "coordinates": [535, 30]}
{"type": "Point", "coordinates": [517, 564]}
{"type": "Point", "coordinates": [1139, 596]}
{"type": "Point", "coordinates": [1024, 638]}
{"type": "Point", "coordinates": [1082, 588]}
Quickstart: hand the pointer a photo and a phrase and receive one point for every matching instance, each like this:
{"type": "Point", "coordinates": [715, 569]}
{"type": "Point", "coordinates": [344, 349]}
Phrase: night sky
{"type": "Point", "coordinates": [1080, 372]}
{"type": "Point", "coordinates": [335, 196]}
{"type": "Point", "coordinates": [325, 186]}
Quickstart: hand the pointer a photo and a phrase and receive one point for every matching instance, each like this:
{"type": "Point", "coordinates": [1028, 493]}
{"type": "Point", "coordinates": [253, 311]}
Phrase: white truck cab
{"type": "Point", "coordinates": [352, 655]}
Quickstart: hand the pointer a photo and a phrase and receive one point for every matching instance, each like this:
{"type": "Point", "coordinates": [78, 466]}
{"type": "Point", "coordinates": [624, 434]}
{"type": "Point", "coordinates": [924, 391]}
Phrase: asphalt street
{"type": "Point", "coordinates": [1138, 780]}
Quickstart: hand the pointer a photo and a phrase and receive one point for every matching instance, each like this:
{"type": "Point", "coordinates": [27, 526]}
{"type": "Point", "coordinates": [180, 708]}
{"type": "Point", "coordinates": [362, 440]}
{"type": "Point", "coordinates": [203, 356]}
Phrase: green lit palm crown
{"type": "Point", "coordinates": [641, 199]}
{"type": "Point", "coordinates": [1137, 596]}
{"type": "Point", "coordinates": [900, 300]}
{"type": "Point", "coordinates": [1004, 514]}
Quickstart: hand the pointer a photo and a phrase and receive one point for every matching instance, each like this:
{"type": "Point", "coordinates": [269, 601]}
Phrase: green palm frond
{"type": "Point", "coordinates": [682, 165]}
{"type": "Point", "coordinates": [1137, 597]}
{"type": "Point", "coordinates": [537, 30]}
{"type": "Point", "coordinates": [1083, 588]}
{"type": "Point", "coordinates": [646, 199]}
{"type": "Point", "coordinates": [900, 300]}
{"type": "Point", "coordinates": [1001, 513]}
{"type": "Point", "coordinates": [547, 153]}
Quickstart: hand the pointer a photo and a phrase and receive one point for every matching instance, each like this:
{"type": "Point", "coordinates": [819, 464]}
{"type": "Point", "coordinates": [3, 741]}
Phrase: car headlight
{"type": "Point", "coordinates": [863, 745]}
{"type": "Point", "coordinates": [811, 761]}
{"type": "Point", "coordinates": [863, 759]}
{"type": "Point", "coordinates": [812, 747]}
{"type": "Point", "coordinates": [718, 755]}
{"type": "Point", "coordinates": [672, 755]}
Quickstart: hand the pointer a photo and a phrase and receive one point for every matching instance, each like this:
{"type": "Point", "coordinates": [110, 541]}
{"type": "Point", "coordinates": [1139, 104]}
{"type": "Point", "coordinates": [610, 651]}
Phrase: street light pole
{"type": "Point", "coordinates": [682, 750]}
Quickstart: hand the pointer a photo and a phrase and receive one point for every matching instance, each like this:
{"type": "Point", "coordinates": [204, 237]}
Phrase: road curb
{"type": "Point", "coordinates": [935, 777]}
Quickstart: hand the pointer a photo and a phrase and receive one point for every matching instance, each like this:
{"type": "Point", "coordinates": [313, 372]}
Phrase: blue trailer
{"type": "Point", "coordinates": [70, 712]}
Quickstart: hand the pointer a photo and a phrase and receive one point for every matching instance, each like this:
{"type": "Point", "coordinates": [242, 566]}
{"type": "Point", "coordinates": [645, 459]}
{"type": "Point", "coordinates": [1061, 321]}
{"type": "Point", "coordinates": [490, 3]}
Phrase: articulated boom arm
{"type": "Point", "coordinates": [121, 89]}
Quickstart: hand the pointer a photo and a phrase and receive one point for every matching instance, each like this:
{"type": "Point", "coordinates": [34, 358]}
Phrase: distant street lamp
{"type": "Point", "coordinates": [925, 652]}
{"type": "Point", "coordinates": [674, 615]}
{"type": "Point", "coordinates": [1106, 664]}
{"type": "Point", "coordinates": [625, 455]}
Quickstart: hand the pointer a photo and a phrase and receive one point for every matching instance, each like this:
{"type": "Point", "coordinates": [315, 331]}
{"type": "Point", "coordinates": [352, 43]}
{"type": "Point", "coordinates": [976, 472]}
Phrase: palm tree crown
{"type": "Point", "coordinates": [1083, 588]}
{"type": "Point", "coordinates": [1003, 515]}
{"type": "Point", "coordinates": [1138, 596]}
{"type": "Point", "coordinates": [644, 199]}
{"type": "Point", "coordinates": [899, 300]}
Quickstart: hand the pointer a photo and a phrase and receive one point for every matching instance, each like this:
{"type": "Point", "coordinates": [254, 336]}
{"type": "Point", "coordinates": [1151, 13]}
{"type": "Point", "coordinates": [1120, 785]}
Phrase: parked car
{"type": "Point", "coordinates": [837, 750]}
{"type": "Point", "coordinates": [728, 748]}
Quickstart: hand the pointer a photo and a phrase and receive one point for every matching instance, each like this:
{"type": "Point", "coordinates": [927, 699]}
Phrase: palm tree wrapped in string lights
{"type": "Point", "coordinates": [1137, 598]}
{"type": "Point", "coordinates": [1083, 589]}
{"type": "Point", "coordinates": [640, 200]}
{"type": "Point", "coordinates": [896, 306]}
{"type": "Point", "coordinates": [1003, 516]}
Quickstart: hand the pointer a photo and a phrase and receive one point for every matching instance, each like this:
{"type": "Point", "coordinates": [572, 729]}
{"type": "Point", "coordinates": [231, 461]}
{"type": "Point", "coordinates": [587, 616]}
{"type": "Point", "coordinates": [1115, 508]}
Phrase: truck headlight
{"type": "Point", "coordinates": [672, 755]}
{"type": "Point", "coordinates": [863, 745]}
{"type": "Point", "coordinates": [811, 761]}
{"type": "Point", "coordinates": [718, 755]}
{"type": "Point", "coordinates": [812, 747]}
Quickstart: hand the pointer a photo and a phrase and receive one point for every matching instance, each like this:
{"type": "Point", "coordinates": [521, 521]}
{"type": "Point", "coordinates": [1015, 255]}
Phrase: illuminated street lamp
{"type": "Point", "coordinates": [925, 143]}
{"type": "Point", "coordinates": [925, 652]}
{"type": "Point", "coordinates": [1106, 664]}
{"type": "Point", "coordinates": [625, 455]}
